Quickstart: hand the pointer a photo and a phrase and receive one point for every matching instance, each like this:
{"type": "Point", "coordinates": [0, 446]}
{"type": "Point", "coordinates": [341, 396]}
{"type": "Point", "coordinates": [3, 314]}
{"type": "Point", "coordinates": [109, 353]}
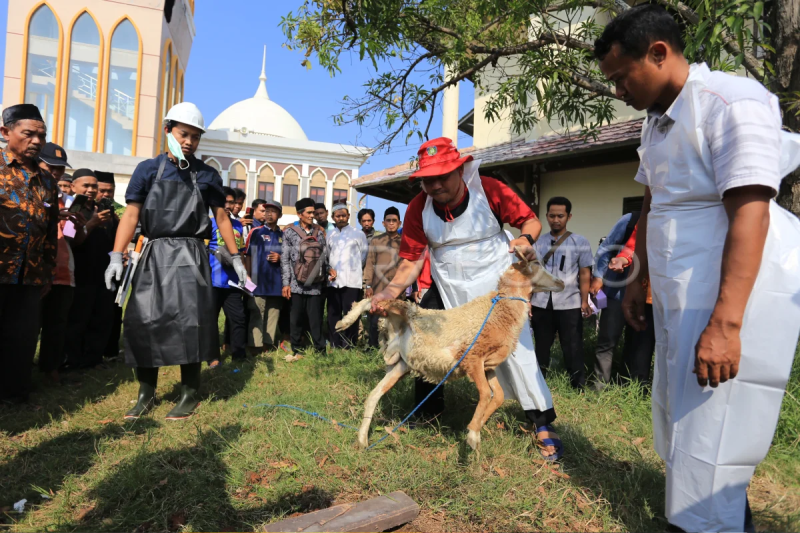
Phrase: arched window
{"type": "Point", "coordinates": [82, 85]}
{"type": "Point", "coordinates": [266, 183]}
{"type": "Point", "coordinates": [41, 65]}
{"type": "Point", "coordinates": [290, 185]}
{"type": "Point", "coordinates": [237, 176]}
{"type": "Point", "coordinates": [341, 188]}
{"type": "Point", "coordinates": [179, 98]}
{"type": "Point", "coordinates": [173, 93]}
{"type": "Point", "coordinates": [213, 164]}
{"type": "Point", "coordinates": [166, 83]}
{"type": "Point", "coordinates": [123, 76]}
{"type": "Point", "coordinates": [317, 189]}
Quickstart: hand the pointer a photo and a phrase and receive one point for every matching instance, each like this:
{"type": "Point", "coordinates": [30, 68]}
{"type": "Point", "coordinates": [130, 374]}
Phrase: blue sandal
{"type": "Point", "coordinates": [556, 443]}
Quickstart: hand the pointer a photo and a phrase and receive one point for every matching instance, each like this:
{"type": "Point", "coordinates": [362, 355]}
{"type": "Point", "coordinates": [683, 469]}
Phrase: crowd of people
{"type": "Point", "coordinates": [700, 274]}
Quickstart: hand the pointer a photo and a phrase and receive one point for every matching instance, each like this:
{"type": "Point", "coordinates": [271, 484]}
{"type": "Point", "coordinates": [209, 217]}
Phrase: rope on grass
{"type": "Point", "coordinates": [317, 415]}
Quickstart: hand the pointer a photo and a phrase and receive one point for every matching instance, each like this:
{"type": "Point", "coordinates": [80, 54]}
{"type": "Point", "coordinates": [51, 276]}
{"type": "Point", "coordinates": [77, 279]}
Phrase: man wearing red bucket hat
{"type": "Point", "coordinates": [459, 215]}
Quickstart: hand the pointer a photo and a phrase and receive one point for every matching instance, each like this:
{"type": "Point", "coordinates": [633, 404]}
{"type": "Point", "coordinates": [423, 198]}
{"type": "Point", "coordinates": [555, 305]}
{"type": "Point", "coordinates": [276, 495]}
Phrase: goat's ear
{"type": "Point", "coordinates": [520, 255]}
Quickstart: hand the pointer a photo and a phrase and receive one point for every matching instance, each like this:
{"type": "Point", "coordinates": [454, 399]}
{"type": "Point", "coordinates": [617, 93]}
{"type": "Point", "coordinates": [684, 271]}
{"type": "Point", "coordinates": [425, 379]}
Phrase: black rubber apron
{"type": "Point", "coordinates": [170, 316]}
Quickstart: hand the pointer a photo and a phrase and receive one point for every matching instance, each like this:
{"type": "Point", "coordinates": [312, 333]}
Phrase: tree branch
{"type": "Point", "coordinates": [750, 62]}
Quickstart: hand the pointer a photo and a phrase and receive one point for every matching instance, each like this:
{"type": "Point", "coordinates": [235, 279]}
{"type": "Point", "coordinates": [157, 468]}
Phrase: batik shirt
{"type": "Point", "coordinates": [28, 223]}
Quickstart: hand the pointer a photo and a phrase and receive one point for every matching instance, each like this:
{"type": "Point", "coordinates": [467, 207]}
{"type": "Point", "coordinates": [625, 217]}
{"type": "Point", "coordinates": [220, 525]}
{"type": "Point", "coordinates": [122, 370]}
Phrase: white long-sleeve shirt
{"type": "Point", "coordinates": [347, 253]}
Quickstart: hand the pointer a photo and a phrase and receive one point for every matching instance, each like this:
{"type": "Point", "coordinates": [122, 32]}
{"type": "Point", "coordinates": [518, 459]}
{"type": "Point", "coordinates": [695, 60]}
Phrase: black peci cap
{"type": "Point", "coordinates": [54, 155]}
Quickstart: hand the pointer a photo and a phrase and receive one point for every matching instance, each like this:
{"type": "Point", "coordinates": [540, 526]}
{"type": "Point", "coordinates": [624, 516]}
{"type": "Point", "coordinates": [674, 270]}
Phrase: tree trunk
{"type": "Point", "coordinates": [784, 18]}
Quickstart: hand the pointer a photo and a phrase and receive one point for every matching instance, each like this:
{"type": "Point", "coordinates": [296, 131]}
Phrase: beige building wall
{"type": "Point", "coordinates": [147, 16]}
{"type": "Point", "coordinates": [596, 194]}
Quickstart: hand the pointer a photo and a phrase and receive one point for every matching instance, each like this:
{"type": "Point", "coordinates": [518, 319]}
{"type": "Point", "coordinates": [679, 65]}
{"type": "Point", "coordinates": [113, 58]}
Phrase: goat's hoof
{"type": "Point", "coordinates": [363, 443]}
{"type": "Point", "coordinates": [474, 439]}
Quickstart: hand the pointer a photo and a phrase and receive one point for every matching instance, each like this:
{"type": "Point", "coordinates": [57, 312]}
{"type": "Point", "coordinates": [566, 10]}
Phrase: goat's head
{"type": "Point", "coordinates": [539, 277]}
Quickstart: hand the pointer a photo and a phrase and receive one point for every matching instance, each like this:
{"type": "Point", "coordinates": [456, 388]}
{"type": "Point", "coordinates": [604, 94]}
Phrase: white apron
{"type": "Point", "coordinates": [468, 256]}
{"type": "Point", "coordinates": [712, 439]}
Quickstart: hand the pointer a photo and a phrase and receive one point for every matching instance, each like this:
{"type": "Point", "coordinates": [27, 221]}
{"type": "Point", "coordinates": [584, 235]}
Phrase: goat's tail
{"type": "Point", "coordinates": [359, 308]}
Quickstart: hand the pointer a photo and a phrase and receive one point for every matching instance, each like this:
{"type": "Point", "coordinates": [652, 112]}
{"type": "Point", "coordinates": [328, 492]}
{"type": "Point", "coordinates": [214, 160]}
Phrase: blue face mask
{"type": "Point", "coordinates": [175, 149]}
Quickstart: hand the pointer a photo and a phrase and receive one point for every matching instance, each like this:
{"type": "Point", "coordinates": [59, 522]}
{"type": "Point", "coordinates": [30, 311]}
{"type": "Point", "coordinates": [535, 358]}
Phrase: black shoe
{"type": "Point", "coordinates": [148, 379]}
{"type": "Point", "coordinates": [190, 386]}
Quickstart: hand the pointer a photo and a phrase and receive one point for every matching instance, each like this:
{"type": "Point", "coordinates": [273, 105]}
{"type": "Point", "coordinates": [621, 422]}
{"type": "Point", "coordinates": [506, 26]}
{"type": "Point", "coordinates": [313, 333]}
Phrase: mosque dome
{"type": "Point", "coordinates": [259, 115]}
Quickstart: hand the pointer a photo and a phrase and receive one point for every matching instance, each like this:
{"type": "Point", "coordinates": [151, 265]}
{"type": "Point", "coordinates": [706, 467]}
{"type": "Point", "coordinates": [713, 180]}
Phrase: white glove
{"type": "Point", "coordinates": [238, 267]}
{"type": "Point", "coordinates": [114, 270]}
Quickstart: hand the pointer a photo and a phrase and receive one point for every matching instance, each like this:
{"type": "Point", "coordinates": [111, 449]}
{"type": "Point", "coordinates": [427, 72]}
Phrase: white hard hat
{"type": "Point", "coordinates": [187, 113]}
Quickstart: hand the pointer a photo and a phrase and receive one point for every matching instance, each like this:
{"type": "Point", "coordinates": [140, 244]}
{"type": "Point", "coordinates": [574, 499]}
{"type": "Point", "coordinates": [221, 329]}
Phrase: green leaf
{"type": "Point", "coordinates": [716, 32]}
{"type": "Point", "coordinates": [758, 10]}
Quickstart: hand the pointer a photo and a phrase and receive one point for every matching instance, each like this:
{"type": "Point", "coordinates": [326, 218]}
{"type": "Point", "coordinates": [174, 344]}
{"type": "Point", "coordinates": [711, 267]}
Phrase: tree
{"type": "Point", "coordinates": [536, 54]}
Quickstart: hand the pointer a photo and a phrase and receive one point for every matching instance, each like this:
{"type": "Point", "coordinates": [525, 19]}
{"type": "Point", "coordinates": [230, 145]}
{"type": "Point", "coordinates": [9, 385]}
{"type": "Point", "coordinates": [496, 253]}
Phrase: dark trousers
{"type": "Point", "coordinates": [340, 301]}
{"type": "Point", "coordinates": [55, 319]}
{"type": "Point", "coordinates": [568, 323]}
{"type": "Point", "coordinates": [373, 330]}
{"type": "Point", "coordinates": [306, 309]}
{"type": "Point", "coordinates": [284, 322]}
{"type": "Point", "coordinates": [89, 326]}
{"type": "Point", "coordinates": [112, 347]}
{"type": "Point", "coordinates": [19, 329]}
{"type": "Point", "coordinates": [643, 343]}
{"type": "Point", "coordinates": [639, 345]}
{"type": "Point", "coordinates": [230, 301]}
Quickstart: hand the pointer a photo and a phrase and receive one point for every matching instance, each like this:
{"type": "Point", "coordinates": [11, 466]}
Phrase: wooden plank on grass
{"type": "Point", "coordinates": [377, 514]}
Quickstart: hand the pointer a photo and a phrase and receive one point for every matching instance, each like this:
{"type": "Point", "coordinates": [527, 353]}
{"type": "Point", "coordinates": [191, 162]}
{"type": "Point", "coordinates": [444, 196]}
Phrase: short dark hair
{"type": "Point", "coordinates": [257, 202]}
{"type": "Point", "coordinates": [363, 212]}
{"type": "Point", "coordinates": [227, 191]}
{"type": "Point", "coordinates": [320, 205]}
{"type": "Point", "coordinates": [638, 27]}
{"type": "Point", "coordinates": [560, 200]}
{"type": "Point", "coordinates": [239, 194]}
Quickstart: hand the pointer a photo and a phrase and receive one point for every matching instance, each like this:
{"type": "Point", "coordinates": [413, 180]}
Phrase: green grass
{"type": "Point", "coordinates": [235, 468]}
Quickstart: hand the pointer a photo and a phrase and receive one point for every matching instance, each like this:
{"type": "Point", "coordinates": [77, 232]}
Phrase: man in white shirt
{"type": "Point", "coordinates": [723, 261]}
{"type": "Point", "coordinates": [347, 253]}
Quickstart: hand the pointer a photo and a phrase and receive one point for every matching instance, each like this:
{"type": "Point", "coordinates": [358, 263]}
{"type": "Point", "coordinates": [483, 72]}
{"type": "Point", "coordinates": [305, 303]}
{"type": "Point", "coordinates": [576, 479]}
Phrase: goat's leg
{"type": "Point", "coordinates": [485, 392]}
{"type": "Point", "coordinates": [497, 397]}
{"type": "Point", "coordinates": [389, 380]}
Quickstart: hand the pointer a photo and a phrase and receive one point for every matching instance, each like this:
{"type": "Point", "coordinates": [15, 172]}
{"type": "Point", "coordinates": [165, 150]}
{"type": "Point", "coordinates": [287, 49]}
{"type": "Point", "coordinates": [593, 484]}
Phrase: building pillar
{"type": "Point", "coordinates": [450, 110]}
{"type": "Point", "coordinates": [225, 180]}
{"type": "Point", "coordinates": [279, 188]}
{"type": "Point", "coordinates": [329, 194]}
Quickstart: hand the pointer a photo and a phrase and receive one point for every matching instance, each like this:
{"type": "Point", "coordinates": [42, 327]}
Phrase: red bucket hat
{"type": "Point", "coordinates": [438, 157]}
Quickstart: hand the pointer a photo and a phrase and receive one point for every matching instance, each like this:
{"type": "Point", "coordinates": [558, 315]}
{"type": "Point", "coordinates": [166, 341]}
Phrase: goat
{"type": "Point", "coordinates": [428, 343]}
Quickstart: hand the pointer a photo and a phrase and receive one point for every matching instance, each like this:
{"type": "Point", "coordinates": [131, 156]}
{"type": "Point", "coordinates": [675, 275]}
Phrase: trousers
{"type": "Point", "coordinates": [373, 331]}
{"type": "Point", "coordinates": [340, 301]}
{"type": "Point", "coordinates": [568, 323]}
{"type": "Point", "coordinates": [112, 347]}
{"type": "Point", "coordinates": [230, 301]}
{"type": "Point", "coordinates": [306, 309]}
{"type": "Point", "coordinates": [55, 319]}
{"type": "Point", "coordinates": [265, 312]}
{"type": "Point", "coordinates": [90, 320]}
{"type": "Point", "coordinates": [19, 328]}
{"type": "Point", "coordinates": [639, 345]}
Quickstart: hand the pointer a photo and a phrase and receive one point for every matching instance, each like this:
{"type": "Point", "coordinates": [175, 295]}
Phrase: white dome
{"type": "Point", "coordinates": [259, 115]}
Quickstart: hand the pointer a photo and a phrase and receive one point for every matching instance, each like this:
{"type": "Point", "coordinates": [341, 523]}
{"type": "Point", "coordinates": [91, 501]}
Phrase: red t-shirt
{"type": "Point", "coordinates": [504, 202]}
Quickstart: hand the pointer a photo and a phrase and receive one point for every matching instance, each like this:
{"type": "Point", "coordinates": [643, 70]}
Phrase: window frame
{"type": "Point", "coordinates": [65, 79]}
{"type": "Point", "coordinates": [59, 62]}
{"type": "Point", "coordinates": [106, 79]}
{"type": "Point", "coordinates": [265, 184]}
{"type": "Point", "coordinates": [283, 193]}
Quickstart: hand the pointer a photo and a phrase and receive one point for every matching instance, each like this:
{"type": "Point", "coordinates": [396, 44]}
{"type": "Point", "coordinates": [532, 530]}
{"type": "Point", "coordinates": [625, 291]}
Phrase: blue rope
{"type": "Point", "coordinates": [317, 415]}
